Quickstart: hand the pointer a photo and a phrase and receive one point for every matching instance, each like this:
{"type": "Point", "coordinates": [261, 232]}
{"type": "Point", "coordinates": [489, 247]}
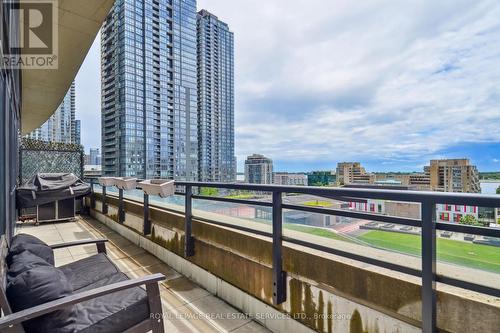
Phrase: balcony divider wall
{"type": "Point", "coordinates": [10, 108]}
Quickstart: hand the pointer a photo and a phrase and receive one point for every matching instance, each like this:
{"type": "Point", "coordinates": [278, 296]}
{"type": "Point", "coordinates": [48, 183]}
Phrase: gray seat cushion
{"type": "Point", "coordinates": [24, 242]}
{"type": "Point", "coordinates": [114, 312]}
{"type": "Point", "coordinates": [39, 282]}
{"type": "Point", "coordinates": [86, 271]}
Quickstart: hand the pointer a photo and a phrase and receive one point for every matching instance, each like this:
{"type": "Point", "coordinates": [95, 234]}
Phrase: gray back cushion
{"type": "Point", "coordinates": [23, 262]}
{"type": "Point", "coordinates": [39, 285]}
{"type": "Point", "coordinates": [24, 242]}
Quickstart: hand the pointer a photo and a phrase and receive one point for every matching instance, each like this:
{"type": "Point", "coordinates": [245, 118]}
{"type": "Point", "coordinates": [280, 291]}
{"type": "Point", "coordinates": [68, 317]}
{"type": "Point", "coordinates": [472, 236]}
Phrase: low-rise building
{"type": "Point", "coordinates": [446, 175]}
{"type": "Point", "coordinates": [444, 212]}
{"type": "Point", "coordinates": [92, 171]}
{"type": "Point", "coordinates": [453, 213]}
{"type": "Point", "coordinates": [386, 207]}
{"type": "Point", "coordinates": [353, 173]}
{"type": "Point", "coordinates": [306, 218]}
{"type": "Point", "coordinates": [369, 206]}
{"type": "Point", "coordinates": [420, 180]}
{"type": "Point", "coordinates": [417, 180]}
{"type": "Point", "coordinates": [321, 178]}
{"type": "Point", "coordinates": [292, 179]}
{"type": "Point", "coordinates": [454, 175]}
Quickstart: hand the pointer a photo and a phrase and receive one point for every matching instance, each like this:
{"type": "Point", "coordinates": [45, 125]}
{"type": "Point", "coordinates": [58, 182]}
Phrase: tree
{"type": "Point", "coordinates": [208, 191]}
{"type": "Point", "coordinates": [498, 190]}
{"type": "Point", "coordinates": [469, 220]}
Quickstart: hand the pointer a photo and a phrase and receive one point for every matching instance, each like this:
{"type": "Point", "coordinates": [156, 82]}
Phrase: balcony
{"type": "Point", "coordinates": [239, 262]}
{"type": "Point", "coordinates": [277, 267]}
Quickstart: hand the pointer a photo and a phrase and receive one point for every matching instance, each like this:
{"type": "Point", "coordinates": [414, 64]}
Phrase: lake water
{"type": "Point", "coordinates": [489, 187]}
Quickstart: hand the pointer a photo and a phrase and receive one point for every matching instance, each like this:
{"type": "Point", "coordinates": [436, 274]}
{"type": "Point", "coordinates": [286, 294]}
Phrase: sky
{"type": "Point", "coordinates": [391, 84]}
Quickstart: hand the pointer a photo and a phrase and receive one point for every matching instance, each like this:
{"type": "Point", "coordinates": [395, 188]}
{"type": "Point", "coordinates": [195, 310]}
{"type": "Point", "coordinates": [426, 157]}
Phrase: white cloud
{"type": "Point", "coordinates": [334, 80]}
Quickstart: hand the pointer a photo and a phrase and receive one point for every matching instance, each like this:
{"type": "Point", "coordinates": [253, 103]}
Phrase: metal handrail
{"type": "Point", "coordinates": [426, 199]}
{"type": "Point", "coordinates": [381, 194]}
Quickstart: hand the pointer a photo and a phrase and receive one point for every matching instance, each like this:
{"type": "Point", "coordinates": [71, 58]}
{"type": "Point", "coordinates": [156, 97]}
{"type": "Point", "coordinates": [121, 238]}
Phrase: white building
{"type": "Point", "coordinates": [369, 206]}
{"type": "Point", "coordinates": [292, 179]}
{"type": "Point", "coordinates": [453, 213]}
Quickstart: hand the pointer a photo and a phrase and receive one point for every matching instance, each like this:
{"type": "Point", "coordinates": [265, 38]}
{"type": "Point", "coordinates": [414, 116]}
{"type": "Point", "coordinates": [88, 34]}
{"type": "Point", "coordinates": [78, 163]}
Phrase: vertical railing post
{"type": "Point", "coordinates": [188, 238]}
{"type": "Point", "coordinates": [279, 276]}
{"type": "Point", "coordinates": [121, 211]}
{"type": "Point", "coordinates": [428, 267]}
{"type": "Point", "coordinates": [104, 204]}
{"type": "Point", "coordinates": [92, 195]}
{"type": "Point", "coordinates": [147, 223]}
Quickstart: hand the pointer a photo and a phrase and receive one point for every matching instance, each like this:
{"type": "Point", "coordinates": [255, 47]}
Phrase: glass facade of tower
{"type": "Point", "coordinates": [215, 99]}
{"type": "Point", "coordinates": [185, 90]}
{"type": "Point", "coordinates": [61, 126]}
{"type": "Point", "coordinates": [149, 97]}
{"type": "Point", "coordinates": [78, 132]}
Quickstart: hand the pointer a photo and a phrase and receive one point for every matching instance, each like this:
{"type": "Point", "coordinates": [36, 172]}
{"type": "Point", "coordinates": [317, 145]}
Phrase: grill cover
{"type": "Point", "coordinates": [49, 187]}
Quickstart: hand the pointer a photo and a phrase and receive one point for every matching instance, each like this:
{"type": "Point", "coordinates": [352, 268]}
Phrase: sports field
{"type": "Point", "coordinates": [457, 252]}
{"type": "Point", "coordinates": [315, 231]}
{"type": "Point", "coordinates": [317, 203]}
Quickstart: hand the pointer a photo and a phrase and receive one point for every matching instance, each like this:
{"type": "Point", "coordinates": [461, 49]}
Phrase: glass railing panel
{"type": "Point", "coordinates": [389, 242]}
{"type": "Point", "coordinates": [253, 217]}
{"type": "Point", "coordinates": [175, 202]}
{"type": "Point", "coordinates": [468, 256]}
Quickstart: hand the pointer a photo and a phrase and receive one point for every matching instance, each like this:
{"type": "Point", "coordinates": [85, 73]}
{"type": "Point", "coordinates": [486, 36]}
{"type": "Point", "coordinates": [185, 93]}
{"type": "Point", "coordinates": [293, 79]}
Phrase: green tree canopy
{"type": "Point", "coordinates": [469, 220]}
{"type": "Point", "coordinates": [209, 191]}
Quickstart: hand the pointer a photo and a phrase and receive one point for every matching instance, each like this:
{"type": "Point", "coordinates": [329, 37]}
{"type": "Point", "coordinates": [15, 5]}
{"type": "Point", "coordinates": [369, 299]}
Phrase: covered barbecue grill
{"type": "Point", "coordinates": [53, 195]}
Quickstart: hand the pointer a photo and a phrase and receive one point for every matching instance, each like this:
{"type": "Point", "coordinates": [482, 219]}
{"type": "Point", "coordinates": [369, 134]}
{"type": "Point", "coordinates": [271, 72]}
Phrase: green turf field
{"type": "Point", "coordinates": [316, 203]}
{"type": "Point", "coordinates": [457, 252]}
{"type": "Point", "coordinates": [241, 196]}
{"type": "Point", "coordinates": [315, 231]}
{"type": "Point", "coordinates": [309, 230]}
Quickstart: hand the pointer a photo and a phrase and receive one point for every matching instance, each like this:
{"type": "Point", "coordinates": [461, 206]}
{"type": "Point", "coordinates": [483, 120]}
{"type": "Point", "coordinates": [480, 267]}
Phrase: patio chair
{"type": "Point", "coordinates": [88, 295]}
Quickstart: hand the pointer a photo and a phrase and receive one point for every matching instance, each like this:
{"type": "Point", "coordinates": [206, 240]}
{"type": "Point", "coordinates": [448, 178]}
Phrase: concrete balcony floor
{"type": "Point", "coordinates": [187, 307]}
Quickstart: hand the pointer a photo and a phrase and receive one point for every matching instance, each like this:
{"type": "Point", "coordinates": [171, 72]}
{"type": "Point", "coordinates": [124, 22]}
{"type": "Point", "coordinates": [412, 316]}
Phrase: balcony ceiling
{"type": "Point", "coordinates": [44, 89]}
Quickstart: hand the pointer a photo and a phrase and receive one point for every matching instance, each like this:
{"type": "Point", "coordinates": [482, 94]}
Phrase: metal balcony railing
{"type": "Point", "coordinates": [427, 201]}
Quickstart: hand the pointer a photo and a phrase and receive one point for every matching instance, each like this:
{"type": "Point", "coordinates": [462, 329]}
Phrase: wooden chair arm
{"type": "Point", "coordinates": [100, 243]}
